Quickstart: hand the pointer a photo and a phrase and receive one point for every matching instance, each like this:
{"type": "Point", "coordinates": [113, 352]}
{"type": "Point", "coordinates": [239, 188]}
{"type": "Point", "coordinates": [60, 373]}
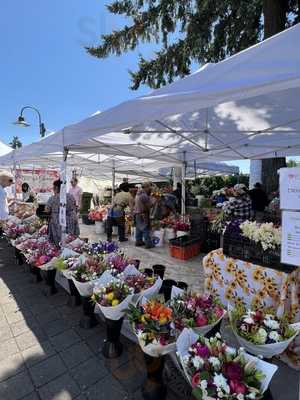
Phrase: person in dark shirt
{"type": "Point", "coordinates": [259, 199]}
{"type": "Point", "coordinates": [178, 193]}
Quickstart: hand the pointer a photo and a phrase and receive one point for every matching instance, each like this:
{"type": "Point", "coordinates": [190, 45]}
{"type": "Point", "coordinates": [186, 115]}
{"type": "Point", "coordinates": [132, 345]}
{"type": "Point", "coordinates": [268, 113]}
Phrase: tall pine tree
{"type": "Point", "coordinates": [194, 31]}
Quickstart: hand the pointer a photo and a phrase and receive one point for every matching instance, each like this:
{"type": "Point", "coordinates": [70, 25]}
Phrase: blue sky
{"type": "Point", "coordinates": [44, 64]}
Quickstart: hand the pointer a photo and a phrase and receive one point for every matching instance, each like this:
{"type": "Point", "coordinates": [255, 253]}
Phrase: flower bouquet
{"type": "Point", "coordinates": [85, 273]}
{"type": "Point", "coordinates": [152, 324]}
{"type": "Point", "coordinates": [261, 332]}
{"type": "Point", "coordinates": [113, 297]}
{"type": "Point", "coordinates": [216, 371]}
{"type": "Point", "coordinates": [118, 262]}
{"type": "Point", "coordinates": [102, 248]}
{"type": "Point", "coordinates": [97, 214]}
{"type": "Point", "coordinates": [142, 285]}
{"type": "Point", "coordinates": [197, 311]}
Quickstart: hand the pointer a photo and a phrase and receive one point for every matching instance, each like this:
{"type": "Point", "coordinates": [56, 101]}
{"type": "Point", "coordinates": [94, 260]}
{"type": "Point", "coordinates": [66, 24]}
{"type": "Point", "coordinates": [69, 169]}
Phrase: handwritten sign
{"type": "Point", "coordinates": [290, 188]}
{"type": "Point", "coordinates": [290, 243]}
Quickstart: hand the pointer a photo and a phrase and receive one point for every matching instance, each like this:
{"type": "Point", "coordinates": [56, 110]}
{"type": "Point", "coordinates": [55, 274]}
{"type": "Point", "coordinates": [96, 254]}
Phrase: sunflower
{"type": "Point", "coordinates": [270, 287]}
{"type": "Point", "coordinates": [230, 266]}
{"type": "Point", "coordinates": [229, 293]}
{"type": "Point", "coordinates": [239, 302]}
{"type": "Point", "coordinates": [256, 303]}
{"type": "Point", "coordinates": [241, 277]}
{"type": "Point", "coordinates": [258, 275]}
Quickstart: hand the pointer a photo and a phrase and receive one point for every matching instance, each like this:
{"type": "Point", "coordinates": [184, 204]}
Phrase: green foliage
{"type": "Point", "coordinates": [15, 143]}
{"type": "Point", "coordinates": [292, 163]}
{"type": "Point", "coordinates": [208, 184]}
{"type": "Point", "coordinates": [187, 31]}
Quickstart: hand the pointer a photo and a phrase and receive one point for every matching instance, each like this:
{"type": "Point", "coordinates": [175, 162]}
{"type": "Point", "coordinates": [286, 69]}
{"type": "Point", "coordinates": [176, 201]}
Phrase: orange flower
{"type": "Point", "coordinates": [157, 311]}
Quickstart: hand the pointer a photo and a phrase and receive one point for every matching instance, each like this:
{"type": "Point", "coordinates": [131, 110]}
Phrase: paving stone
{"type": "Point", "coordinates": [95, 342]}
{"type": "Point", "coordinates": [8, 348]}
{"type": "Point", "coordinates": [131, 375]}
{"type": "Point", "coordinates": [5, 333]}
{"type": "Point", "coordinates": [47, 370]}
{"type": "Point", "coordinates": [65, 339]}
{"type": "Point", "coordinates": [38, 353]}
{"type": "Point", "coordinates": [89, 372]}
{"type": "Point", "coordinates": [50, 316]}
{"type": "Point", "coordinates": [76, 354]}
{"type": "Point", "coordinates": [23, 326]}
{"type": "Point", "coordinates": [61, 388]}
{"type": "Point", "coordinates": [31, 396]}
{"type": "Point", "coordinates": [17, 387]}
{"type": "Point", "coordinates": [30, 338]}
{"type": "Point", "coordinates": [17, 316]}
{"type": "Point", "coordinates": [11, 366]}
{"type": "Point", "coordinates": [108, 388]}
{"type": "Point", "coordinates": [81, 397]}
{"type": "Point", "coordinates": [38, 309]}
{"type": "Point", "coordinates": [55, 327]}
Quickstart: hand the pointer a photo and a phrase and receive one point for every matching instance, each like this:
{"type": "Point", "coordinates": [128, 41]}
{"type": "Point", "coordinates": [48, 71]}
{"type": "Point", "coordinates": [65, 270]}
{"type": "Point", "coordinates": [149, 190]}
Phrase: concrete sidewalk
{"type": "Point", "coordinates": [45, 355]}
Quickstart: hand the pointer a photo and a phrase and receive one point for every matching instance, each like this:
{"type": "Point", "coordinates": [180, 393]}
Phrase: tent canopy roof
{"type": "Point", "coordinates": [245, 107]}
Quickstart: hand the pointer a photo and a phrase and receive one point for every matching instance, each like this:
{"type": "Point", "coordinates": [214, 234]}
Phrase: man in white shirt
{"type": "Point", "coordinates": [76, 192]}
{"type": "Point", "coordinates": [6, 180]}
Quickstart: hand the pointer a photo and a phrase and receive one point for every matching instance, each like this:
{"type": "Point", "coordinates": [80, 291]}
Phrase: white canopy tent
{"type": "Point", "coordinates": [4, 148]}
{"type": "Point", "coordinates": [245, 107]}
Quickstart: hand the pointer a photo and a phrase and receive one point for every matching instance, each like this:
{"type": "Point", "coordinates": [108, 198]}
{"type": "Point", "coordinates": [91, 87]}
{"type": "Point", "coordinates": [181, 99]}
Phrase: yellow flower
{"type": "Point", "coordinates": [109, 296]}
{"type": "Point", "coordinates": [115, 302]}
{"type": "Point", "coordinates": [230, 266]}
{"type": "Point", "coordinates": [256, 303]}
{"type": "Point", "coordinates": [258, 274]}
{"type": "Point", "coordinates": [163, 320]}
{"type": "Point", "coordinates": [229, 294]}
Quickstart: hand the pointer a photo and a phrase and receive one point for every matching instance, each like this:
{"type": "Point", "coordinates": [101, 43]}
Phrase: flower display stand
{"type": "Point", "coordinates": [74, 298]}
{"type": "Point", "coordinates": [112, 347]}
{"type": "Point", "coordinates": [154, 388]}
{"type": "Point", "coordinates": [88, 320]}
{"type": "Point", "coordinates": [36, 272]}
{"type": "Point", "coordinates": [50, 282]}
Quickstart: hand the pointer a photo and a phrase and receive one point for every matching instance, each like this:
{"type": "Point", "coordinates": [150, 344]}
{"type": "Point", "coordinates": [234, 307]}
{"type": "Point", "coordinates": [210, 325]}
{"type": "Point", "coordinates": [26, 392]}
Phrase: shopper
{"type": "Point", "coordinates": [238, 207]}
{"type": "Point", "coordinates": [259, 201]}
{"type": "Point", "coordinates": [76, 192]}
{"type": "Point", "coordinates": [53, 206]}
{"type": "Point", "coordinates": [142, 216]}
{"type": "Point", "coordinates": [178, 194]}
{"type": "Point", "coordinates": [6, 180]}
{"type": "Point", "coordinates": [28, 195]}
{"type": "Point", "coordinates": [116, 215]}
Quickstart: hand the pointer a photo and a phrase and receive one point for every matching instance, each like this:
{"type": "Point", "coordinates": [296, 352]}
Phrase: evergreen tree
{"type": "Point", "coordinates": [15, 143]}
{"type": "Point", "coordinates": [194, 31]}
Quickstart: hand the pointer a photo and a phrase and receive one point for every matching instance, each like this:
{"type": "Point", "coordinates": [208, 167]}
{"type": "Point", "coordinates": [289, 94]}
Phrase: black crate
{"type": "Point", "coordinates": [212, 242]}
{"type": "Point", "coordinates": [199, 227]}
{"type": "Point", "coordinates": [184, 241]}
{"type": "Point", "coordinates": [247, 250]}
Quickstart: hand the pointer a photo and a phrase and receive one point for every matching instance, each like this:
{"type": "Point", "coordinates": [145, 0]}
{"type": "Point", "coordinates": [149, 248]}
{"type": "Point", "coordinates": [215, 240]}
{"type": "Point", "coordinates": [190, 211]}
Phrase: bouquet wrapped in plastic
{"type": "Point", "coordinates": [261, 332]}
{"type": "Point", "coordinates": [217, 371]}
{"type": "Point", "coordinates": [152, 324]}
{"type": "Point", "coordinates": [197, 311]}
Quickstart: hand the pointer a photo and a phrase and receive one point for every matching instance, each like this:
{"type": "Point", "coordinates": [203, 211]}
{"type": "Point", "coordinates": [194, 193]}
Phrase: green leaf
{"type": "Point", "coordinates": [197, 393]}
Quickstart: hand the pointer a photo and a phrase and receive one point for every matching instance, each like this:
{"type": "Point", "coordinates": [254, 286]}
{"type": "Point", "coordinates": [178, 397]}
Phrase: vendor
{"type": "Point", "coordinates": [259, 200]}
{"type": "Point", "coordinates": [142, 209]}
{"type": "Point", "coordinates": [178, 194]}
{"type": "Point", "coordinates": [6, 180]}
{"type": "Point", "coordinates": [76, 192]}
{"type": "Point", "coordinates": [116, 214]}
{"type": "Point", "coordinates": [53, 206]}
{"type": "Point", "coordinates": [238, 207]}
{"type": "Point", "coordinates": [28, 195]}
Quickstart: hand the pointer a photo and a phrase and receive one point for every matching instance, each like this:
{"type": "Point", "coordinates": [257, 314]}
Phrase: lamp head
{"type": "Point", "coordinates": [21, 122]}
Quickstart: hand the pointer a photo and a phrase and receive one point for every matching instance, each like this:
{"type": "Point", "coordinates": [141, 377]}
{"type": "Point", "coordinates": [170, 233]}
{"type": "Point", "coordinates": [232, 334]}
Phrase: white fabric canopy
{"type": "Point", "coordinates": [4, 149]}
{"type": "Point", "coordinates": [246, 106]}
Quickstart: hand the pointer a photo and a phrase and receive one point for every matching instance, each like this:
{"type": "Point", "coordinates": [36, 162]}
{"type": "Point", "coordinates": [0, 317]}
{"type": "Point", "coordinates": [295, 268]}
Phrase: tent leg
{"type": "Point", "coordinates": [113, 182]}
{"type": "Point", "coordinates": [183, 190]}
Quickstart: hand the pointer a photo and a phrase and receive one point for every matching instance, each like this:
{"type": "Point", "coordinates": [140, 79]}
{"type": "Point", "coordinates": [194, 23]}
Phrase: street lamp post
{"type": "Point", "coordinates": [22, 122]}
